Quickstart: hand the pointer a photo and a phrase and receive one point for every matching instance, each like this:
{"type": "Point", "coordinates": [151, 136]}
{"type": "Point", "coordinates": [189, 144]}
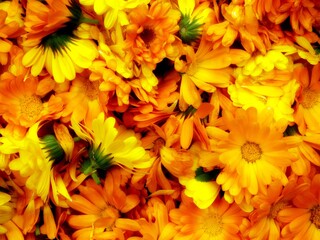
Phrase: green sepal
{"type": "Point", "coordinates": [189, 29]}
{"type": "Point", "coordinates": [203, 176]}
{"type": "Point", "coordinates": [52, 147]}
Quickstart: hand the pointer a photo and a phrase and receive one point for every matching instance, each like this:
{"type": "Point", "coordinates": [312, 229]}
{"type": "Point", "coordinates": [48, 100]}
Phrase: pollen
{"type": "Point", "coordinates": [31, 107]}
{"type": "Point", "coordinates": [212, 225]}
{"type": "Point", "coordinates": [275, 208]}
{"type": "Point", "coordinates": [315, 216]}
{"type": "Point", "coordinates": [309, 98]}
{"type": "Point", "coordinates": [251, 151]}
{"type": "Point", "coordinates": [91, 89]}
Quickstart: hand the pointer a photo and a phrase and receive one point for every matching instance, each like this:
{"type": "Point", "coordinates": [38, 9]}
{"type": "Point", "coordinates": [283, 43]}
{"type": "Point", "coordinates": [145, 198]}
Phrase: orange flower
{"type": "Point", "coordinates": [302, 219]}
{"type": "Point", "coordinates": [307, 100]}
{"type": "Point", "coordinates": [219, 221]}
{"type": "Point", "coordinates": [11, 24]}
{"type": "Point", "coordinates": [254, 154]}
{"type": "Point", "coordinates": [150, 34]}
{"type": "Point", "coordinates": [265, 223]}
{"type": "Point", "coordinates": [100, 208]}
{"type": "Point", "coordinates": [21, 104]}
{"type": "Point", "coordinates": [84, 100]}
{"type": "Point", "coordinates": [241, 22]}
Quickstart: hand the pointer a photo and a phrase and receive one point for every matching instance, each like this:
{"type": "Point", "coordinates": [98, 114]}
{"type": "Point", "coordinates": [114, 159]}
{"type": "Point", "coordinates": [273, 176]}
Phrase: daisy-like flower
{"type": "Point", "coordinates": [205, 69]}
{"type": "Point", "coordinates": [96, 210]}
{"type": "Point", "coordinates": [151, 33]}
{"type": "Point", "coordinates": [21, 103]}
{"type": "Point", "coordinates": [84, 100]}
{"type": "Point", "coordinates": [265, 223]}
{"type": "Point", "coordinates": [51, 40]}
{"type": "Point", "coordinates": [110, 145]}
{"type": "Point", "coordinates": [219, 221]}
{"type": "Point", "coordinates": [308, 99]}
{"type": "Point", "coordinates": [254, 154]}
{"type": "Point", "coordinates": [302, 219]}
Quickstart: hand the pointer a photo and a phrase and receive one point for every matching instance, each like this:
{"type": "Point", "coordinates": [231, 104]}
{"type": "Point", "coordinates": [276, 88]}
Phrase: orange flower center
{"type": "Point", "coordinates": [309, 98]}
{"type": "Point", "coordinates": [91, 89]}
{"type": "Point", "coordinates": [315, 216]}
{"type": "Point", "coordinates": [147, 35]}
{"type": "Point", "coordinates": [212, 225]}
{"type": "Point", "coordinates": [31, 107]}
{"type": "Point", "coordinates": [275, 208]}
{"type": "Point", "coordinates": [251, 151]}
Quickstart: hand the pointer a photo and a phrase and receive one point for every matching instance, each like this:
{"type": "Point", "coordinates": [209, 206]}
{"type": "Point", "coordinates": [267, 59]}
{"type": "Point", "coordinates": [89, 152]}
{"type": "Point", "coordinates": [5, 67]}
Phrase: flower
{"type": "Point", "coordinates": [21, 104]}
{"type": "Point", "coordinates": [254, 154]}
{"type": "Point", "coordinates": [206, 69]}
{"type": "Point", "coordinates": [150, 34]}
{"type": "Point", "coordinates": [51, 41]}
{"type": "Point", "coordinates": [221, 220]}
{"type": "Point", "coordinates": [97, 209]}
{"type": "Point", "coordinates": [307, 107]}
{"type": "Point", "coordinates": [302, 219]}
{"type": "Point", "coordinates": [110, 145]}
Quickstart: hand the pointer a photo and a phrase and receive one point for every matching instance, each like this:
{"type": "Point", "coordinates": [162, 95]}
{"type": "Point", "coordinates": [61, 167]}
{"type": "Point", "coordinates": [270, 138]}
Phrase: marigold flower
{"type": "Point", "coordinates": [100, 207]}
{"type": "Point", "coordinates": [151, 32]}
{"type": "Point", "coordinates": [21, 104]}
{"type": "Point", "coordinates": [302, 219]}
{"type": "Point", "coordinates": [221, 220]}
{"type": "Point", "coordinates": [56, 46]}
{"type": "Point", "coordinates": [307, 99]}
{"type": "Point", "coordinates": [254, 154]}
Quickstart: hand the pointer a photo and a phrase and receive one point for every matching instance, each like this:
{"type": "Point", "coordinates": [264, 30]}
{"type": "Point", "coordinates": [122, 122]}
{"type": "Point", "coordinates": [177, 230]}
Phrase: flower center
{"type": "Point", "coordinates": [31, 107]}
{"type": "Point", "coordinates": [212, 225]}
{"type": "Point", "coordinates": [251, 151]}
{"type": "Point", "coordinates": [92, 89]}
{"type": "Point", "coordinates": [147, 35]}
{"type": "Point", "coordinates": [275, 208]}
{"type": "Point", "coordinates": [110, 215]}
{"type": "Point", "coordinates": [309, 98]}
{"type": "Point", "coordinates": [315, 216]}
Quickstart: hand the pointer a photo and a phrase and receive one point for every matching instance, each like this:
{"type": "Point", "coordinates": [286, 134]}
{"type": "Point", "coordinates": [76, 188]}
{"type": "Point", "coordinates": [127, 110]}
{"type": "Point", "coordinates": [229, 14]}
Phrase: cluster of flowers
{"type": "Point", "coordinates": [159, 119]}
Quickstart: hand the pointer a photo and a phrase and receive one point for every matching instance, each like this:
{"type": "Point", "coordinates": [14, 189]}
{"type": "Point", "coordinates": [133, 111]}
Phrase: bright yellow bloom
{"type": "Point", "coordinates": [115, 12]}
{"type": "Point", "coordinates": [266, 81]}
{"type": "Point", "coordinates": [219, 221]}
{"type": "Point", "coordinates": [57, 45]}
{"type": "Point", "coordinates": [254, 153]}
{"type": "Point", "coordinates": [206, 69]}
{"type": "Point", "coordinates": [111, 144]}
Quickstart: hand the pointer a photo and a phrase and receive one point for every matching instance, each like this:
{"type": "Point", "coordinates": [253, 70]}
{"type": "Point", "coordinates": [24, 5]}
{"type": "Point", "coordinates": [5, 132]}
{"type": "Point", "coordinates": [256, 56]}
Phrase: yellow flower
{"type": "Point", "coordinates": [114, 11]}
{"type": "Point", "coordinates": [33, 164]}
{"type": "Point", "coordinates": [206, 69]}
{"type": "Point", "coordinates": [110, 145]}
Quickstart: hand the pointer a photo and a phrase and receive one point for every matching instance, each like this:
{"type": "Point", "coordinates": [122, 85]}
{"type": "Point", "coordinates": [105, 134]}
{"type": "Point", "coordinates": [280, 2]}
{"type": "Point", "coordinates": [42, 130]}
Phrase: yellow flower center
{"type": "Point", "coordinates": [315, 216]}
{"type": "Point", "coordinates": [31, 107]}
{"type": "Point", "coordinates": [110, 213]}
{"type": "Point", "coordinates": [147, 36]}
{"type": "Point", "coordinates": [212, 225]}
{"type": "Point", "coordinates": [309, 98]}
{"type": "Point", "coordinates": [275, 208]}
{"type": "Point", "coordinates": [251, 151]}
